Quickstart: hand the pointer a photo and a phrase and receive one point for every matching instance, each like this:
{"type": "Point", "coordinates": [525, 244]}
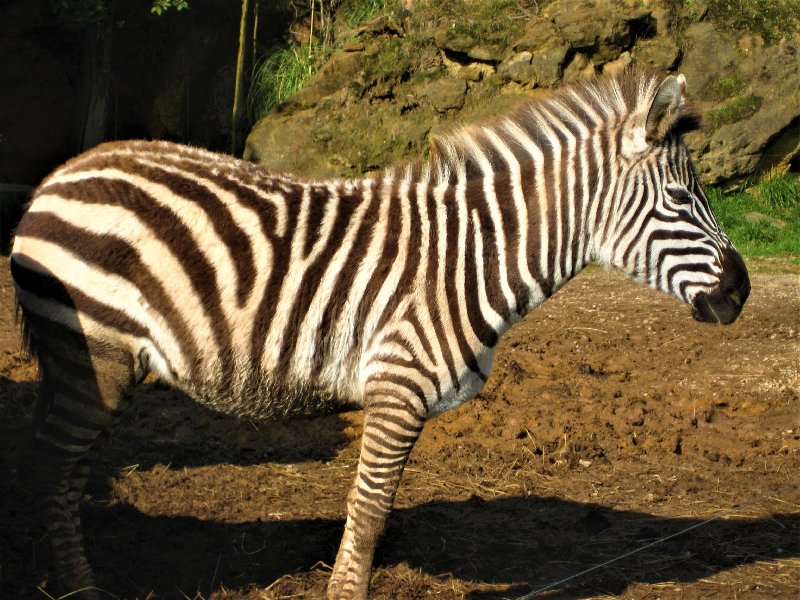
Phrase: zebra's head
{"type": "Point", "coordinates": [661, 228]}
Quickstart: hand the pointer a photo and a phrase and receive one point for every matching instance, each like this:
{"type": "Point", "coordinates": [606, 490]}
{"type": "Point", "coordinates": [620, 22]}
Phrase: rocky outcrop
{"type": "Point", "coordinates": [749, 94]}
{"type": "Point", "coordinates": [399, 80]}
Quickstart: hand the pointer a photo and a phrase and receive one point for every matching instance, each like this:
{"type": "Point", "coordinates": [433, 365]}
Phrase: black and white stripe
{"type": "Point", "coordinates": [269, 295]}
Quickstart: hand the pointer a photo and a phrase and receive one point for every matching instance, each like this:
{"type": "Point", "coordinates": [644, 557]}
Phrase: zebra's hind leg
{"type": "Point", "coordinates": [82, 395]}
{"type": "Point", "coordinates": [393, 421]}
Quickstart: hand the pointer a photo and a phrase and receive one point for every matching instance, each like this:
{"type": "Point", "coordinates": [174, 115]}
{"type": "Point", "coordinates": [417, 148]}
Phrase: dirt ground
{"type": "Point", "coordinates": [612, 420]}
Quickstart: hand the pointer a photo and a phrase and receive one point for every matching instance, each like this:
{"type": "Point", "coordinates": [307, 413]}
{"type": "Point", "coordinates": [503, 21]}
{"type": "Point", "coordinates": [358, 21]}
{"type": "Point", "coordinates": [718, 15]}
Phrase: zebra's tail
{"type": "Point", "coordinates": [27, 338]}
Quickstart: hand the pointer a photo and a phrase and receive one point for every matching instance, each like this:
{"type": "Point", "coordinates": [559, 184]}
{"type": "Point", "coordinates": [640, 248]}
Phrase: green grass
{"type": "Point", "coordinates": [279, 76]}
{"type": "Point", "coordinates": [738, 109]}
{"type": "Point", "coordinates": [726, 86]}
{"type": "Point", "coordinates": [392, 61]}
{"type": "Point", "coordinates": [777, 197]}
{"type": "Point", "coordinates": [283, 73]}
{"type": "Point", "coordinates": [356, 12]}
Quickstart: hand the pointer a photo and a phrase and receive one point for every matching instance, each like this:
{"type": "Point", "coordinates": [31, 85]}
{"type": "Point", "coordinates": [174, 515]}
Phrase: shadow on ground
{"type": "Point", "coordinates": [137, 555]}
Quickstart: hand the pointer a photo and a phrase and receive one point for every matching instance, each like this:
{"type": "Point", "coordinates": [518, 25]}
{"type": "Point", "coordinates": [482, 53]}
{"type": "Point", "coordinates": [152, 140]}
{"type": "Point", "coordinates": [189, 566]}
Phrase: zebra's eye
{"type": "Point", "coordinates": [679, 193]}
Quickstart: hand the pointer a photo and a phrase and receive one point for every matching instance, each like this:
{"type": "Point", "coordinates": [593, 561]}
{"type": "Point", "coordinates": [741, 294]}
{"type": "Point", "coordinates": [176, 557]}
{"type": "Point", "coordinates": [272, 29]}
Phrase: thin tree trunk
{"type": "Point", "coordinates": [237, 118]}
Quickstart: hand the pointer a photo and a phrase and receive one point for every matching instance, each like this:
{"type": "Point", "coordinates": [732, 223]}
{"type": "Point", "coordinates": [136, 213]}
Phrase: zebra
{"type": "Point", "coordinates": [267, 295]}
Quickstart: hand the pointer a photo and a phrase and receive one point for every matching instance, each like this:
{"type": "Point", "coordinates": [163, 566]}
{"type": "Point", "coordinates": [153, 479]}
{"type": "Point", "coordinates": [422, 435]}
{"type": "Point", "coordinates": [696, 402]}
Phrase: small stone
{"type": "Point", "coordinates": [635, 416]}
{"type": "Point", "coordinates": [757, 217]}
{"type": "Point", "coordinates": [585, 463]}
{"type": "Point", "coordinates": [577, 66]}
{"type": "Point", "coordinates": [618, 66]}
{"type": "Point", "coordinates": [475, 71]}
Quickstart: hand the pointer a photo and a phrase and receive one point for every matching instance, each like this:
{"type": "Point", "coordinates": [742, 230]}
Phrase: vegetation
{"type": "Point", "coordinates": [283, 73]}
{"type": "Point", "coordinates": [160, 6]}
{"type": "Point", "coordinates": [83, 12]}
{"type": "Point", "coordinates": [491, 22]}
{"type": "Point", "coordinates": [279, 76]}
{"type": "Point", "coordinates": [763, 220]}
{"type": "Point", "coordinates": [738, 109]}
{"type": "Point", "coordinates": [771, 19]}
{"type": "Point", "coordinates": [726, 86]}
{"type": "Point", "coordinates": [355, 12]}
{"type": "Point", "coordinates": [391, 61]}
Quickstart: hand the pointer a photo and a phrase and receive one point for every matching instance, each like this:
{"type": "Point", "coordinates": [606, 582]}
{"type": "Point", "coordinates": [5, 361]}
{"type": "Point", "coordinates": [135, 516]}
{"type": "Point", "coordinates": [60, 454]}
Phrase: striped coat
{"type": "Point", "coordinates": [267, 295]}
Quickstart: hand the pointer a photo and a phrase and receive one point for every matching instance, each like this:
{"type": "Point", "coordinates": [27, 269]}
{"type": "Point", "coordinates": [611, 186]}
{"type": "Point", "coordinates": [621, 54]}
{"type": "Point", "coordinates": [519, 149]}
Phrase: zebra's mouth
{"type": "Point", "coordinates": [718, 306]}
{"type": "Point", "coordinates": [723, 304]}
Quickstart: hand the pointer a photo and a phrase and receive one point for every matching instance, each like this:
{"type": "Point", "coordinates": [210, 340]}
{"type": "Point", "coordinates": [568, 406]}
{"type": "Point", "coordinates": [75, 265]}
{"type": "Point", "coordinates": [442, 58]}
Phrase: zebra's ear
{"type": "Point", "coordinates": [666, 108]}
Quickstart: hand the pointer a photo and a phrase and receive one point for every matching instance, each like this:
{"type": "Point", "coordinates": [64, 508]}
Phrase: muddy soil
{"type": "Point", "coordinates": [612, 421]}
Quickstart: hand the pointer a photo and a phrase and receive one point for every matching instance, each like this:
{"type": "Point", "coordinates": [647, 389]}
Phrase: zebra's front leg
{"type": "Point", "coordinates": [392, 424]}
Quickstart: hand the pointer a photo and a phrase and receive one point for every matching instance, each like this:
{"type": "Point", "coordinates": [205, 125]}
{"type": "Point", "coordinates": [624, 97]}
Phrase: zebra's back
{"type": "Point", "coordinates": [243, 287]}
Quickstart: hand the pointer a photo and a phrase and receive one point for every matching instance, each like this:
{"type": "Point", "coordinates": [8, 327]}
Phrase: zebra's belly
{"type": "Point", "coordinates": [266, 397]}
{"type": "Point", "coordinates": [234, 386]}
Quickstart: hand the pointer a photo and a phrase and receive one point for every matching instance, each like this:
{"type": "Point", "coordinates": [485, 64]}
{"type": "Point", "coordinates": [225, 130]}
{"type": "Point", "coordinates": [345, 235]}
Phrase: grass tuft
{"type": "Point", "coordinates": [780, 193]}
{"type": "Point", "coordinates": [356, 12]}
{"type": "Point", "coordinates": [726, 86]}
{"type": "Point", "coordinates": [738, 109]}
{"type": "Point", "coordinates": [279, 76]}
{"type": "Point", "coordinates": [763, 220]}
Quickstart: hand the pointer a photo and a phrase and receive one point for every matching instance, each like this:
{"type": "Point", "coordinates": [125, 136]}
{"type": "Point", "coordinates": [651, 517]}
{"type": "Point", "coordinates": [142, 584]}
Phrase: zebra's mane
{"type": "Point", "coordinates": [466, 151]}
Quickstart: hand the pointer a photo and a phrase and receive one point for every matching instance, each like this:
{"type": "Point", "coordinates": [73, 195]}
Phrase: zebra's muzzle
{"type": "Point", "coordinates": [724, 304]}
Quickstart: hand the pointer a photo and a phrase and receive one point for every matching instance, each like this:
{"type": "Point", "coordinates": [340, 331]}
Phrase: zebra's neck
{"type": "Point", "coordinates": [487, 247]}
{"type": "Point", "coordinates": [507, 220]}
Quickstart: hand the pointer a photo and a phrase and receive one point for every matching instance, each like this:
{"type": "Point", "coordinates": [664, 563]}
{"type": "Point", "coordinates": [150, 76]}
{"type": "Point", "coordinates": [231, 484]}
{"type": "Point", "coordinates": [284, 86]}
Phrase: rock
{"type": "Point", "coordinates": [339, 140]}
{"type": "Point", "coordinates": [468, 42]}
{"type": "Point", "coordinates": [581, 27]}
{"type": "Point", "coordinates": [278, 140]}
{"type": "Point", "coordinates": [660, 53]}
{"type": "Point", "coordinates": [349, 120]}
{"type": "Point", "coordinates": [537, 33]}
{"type": "Point", "coordinates": [517, 68]}
{"type": "Point", "coordinates": [475, 71]}
{"type": "Point", "coordinates": [618, 66]}
{"type": "Point", "coordinates": [445, 94]}
{"type": "Point", "coordinates": [340, 71]}
{"type": "Point", "coordinates": [488, 52]}
{"type": "Point", "coordinates": [548, 49]}
{"type": "Point", "coordinates": [601, 32]}
{"type": "Point", "coordinates": [578, 68]}
{"type": "Point", "coordinates": [769, 131]}
{"type": "Point", "coordinates": [548, 63]}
